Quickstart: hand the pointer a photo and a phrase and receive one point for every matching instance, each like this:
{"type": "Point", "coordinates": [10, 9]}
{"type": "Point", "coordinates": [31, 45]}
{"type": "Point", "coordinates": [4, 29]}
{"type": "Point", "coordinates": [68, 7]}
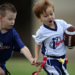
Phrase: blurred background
{"type": "Point", "coordinates": [27, 24]}
{"type": "Point", "coordinates": [64, 9]}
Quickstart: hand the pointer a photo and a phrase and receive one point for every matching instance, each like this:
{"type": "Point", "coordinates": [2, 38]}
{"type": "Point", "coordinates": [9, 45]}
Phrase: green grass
{"type": "Point", "coordinates": [23, 67]}
{"type": "Point", "coordinates": [71, 67]}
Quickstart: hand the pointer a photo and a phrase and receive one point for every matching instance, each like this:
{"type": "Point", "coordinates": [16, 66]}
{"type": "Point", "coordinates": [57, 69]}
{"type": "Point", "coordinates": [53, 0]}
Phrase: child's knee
{"type": "Point", "coordinates": [1, 71]}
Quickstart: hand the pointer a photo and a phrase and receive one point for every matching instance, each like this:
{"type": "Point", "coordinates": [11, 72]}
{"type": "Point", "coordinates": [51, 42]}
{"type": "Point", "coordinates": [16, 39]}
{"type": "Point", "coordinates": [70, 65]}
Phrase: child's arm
{"type": "Point", "coordinates": [27, 54]}
{"type": "Point", "coordinates": [37, 49]}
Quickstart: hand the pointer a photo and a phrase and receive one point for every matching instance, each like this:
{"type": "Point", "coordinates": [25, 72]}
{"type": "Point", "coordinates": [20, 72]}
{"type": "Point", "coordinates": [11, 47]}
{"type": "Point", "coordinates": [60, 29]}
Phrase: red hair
{"type": "Point", "coordinates": [41, 7]}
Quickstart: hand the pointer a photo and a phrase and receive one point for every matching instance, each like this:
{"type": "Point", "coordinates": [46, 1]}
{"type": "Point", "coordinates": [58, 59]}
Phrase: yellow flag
{"type": "Point", "coordinates": [61, 60]}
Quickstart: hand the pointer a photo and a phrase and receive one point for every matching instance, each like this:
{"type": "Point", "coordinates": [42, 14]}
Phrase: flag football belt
{"type": "Point", "coordinates": [56, 56]}
{"type": "Point", "coordinates": [61, 59]}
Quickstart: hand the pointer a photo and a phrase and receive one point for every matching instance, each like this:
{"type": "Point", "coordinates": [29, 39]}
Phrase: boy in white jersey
{"type": "Point", "coordinates": [49, 38]}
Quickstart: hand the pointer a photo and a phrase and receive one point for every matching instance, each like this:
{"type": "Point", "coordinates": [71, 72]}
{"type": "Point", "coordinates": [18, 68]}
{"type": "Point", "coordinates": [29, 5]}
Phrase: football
{"type": "Point", "coordinates": [69, 37]}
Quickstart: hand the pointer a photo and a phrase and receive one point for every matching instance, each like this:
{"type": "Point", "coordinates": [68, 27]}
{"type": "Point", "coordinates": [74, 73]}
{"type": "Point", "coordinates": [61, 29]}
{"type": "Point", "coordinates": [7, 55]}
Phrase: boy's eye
{"type": "Point", "coordinates": [45, 16]}
{"type": "Point", "coordinates": [51, 14]}
{"type": "Point", "coordinates": [10, 19]}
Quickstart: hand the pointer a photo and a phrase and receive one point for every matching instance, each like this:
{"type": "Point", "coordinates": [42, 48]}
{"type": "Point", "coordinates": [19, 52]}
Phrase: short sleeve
{"type": "Point", "coordinates": [39, 38]}
{"type": "Point", "coordinates": [17, 43]}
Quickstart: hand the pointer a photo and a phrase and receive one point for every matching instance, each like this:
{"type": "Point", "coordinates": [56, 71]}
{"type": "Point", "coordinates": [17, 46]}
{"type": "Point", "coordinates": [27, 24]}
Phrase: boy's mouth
{"type": "Point", "coordinates": [50, 21]}
{"type": "Point", "coordinates": [11, 25]}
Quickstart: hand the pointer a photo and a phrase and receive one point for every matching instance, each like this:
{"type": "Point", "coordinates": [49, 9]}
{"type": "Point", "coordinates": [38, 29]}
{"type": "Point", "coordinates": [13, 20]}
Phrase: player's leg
{"type": "Point", "coordinates": [2, 71]}
{"type": "Point", "coordinates": [7, 72]}
{"type": "Point", "coordinates": [53, 67]}
{"type": "Point", "coordinates": [2, 68]}
{"type": "Point", "coordinates": [50, 70]}
{"type": "Point", "coordinates": [50, 67]}
{"type": "Point", "coordinates": [63, 73]}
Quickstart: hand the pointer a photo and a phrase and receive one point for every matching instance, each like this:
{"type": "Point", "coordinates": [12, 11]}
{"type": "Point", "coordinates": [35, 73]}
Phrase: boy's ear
{"type": "Point", "coordinates": [39, 19]}
{"type": "Point", "coordinates": [0, 18]}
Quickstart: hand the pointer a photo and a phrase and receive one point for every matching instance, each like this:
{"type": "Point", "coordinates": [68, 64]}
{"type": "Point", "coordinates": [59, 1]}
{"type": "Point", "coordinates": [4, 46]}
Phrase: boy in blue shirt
{"type": "Point", "coordinates": [9, 38]}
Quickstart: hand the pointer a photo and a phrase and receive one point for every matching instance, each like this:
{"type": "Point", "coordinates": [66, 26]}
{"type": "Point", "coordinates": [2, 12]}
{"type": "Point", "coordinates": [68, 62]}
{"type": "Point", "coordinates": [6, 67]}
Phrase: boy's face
{"type": "Point", "coordinates": [47, 17]}
{"type": "Point", "coordinates": [9, 20]}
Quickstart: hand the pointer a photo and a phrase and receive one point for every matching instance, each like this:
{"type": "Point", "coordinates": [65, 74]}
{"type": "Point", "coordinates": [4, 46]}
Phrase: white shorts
{"type": "Point", "coordinates": [54, 67]}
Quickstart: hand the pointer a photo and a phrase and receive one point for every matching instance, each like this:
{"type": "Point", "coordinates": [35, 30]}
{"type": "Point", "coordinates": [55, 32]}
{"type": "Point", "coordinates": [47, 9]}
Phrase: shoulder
{"type": "Point", "coordinates": [60, 21]}
{"type": "Point", "coordinates": [40, 30]}
{"type": "Point", "coordinates": [14, 31]}
{"type": "Point", "coordinates": [43, 32]}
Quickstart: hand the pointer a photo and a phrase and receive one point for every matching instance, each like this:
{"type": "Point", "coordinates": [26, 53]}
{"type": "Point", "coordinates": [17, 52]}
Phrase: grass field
{"type": "Point", "coordinates": [22, 66]}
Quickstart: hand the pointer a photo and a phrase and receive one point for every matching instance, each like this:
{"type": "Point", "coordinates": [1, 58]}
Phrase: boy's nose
{"type": "Point", "coordinates": [12, 22]}
{"type": "Point", "coordinates": [49, 16]}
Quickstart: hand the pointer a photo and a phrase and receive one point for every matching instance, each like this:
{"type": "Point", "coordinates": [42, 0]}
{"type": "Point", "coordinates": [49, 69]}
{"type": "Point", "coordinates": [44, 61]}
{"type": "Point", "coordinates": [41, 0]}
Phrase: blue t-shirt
{"type": "Point", "coordinates": [9, 42]}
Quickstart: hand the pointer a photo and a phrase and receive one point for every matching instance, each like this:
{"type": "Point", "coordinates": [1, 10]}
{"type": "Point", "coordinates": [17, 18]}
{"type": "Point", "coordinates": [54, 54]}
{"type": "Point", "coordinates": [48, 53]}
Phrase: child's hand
{"type": "Point", "coordinates": [36, 62]}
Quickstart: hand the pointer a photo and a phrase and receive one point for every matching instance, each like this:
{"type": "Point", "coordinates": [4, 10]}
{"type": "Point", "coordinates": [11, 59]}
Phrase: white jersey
{"type": "Point", "coordinates": [52, 40]}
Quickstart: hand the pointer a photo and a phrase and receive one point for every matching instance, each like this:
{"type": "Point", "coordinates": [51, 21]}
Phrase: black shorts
{"type": "Point", "coordinates": [2, 65]}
